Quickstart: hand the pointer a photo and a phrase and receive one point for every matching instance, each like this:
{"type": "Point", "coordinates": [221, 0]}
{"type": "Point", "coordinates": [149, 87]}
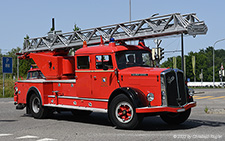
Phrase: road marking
{"type": "Point", "coordinates": [203, 97]}
{"type": "Point", "coordinates": [3, 135]}
{"type": "Point", "coordinates": [47, 139]}
{"type": "Point", "coordinates": [27, 137]}
{"type": "Point", "coordinates": [218, 97]}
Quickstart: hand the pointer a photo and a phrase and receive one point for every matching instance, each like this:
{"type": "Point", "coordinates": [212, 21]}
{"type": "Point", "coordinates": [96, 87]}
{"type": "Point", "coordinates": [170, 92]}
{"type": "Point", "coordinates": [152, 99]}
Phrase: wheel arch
{"type": "Point", "coordinates": [136, 96]}
{"type": "Point", "coordinates": [30, 92]}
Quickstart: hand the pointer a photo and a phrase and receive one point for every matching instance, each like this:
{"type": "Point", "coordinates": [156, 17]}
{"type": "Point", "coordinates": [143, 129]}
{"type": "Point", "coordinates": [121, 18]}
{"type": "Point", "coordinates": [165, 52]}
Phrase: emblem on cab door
{"type": "Point", "coordinates": [104, 82]}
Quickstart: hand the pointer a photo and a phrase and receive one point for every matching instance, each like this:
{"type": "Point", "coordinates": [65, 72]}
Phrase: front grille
{"type": "Point", "coordinates": [175, 87]}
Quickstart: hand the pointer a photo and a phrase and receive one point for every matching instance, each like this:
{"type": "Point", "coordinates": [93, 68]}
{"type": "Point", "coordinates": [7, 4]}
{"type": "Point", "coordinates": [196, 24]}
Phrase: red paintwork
{"type": "Point", "coordinates": [147, 84]}
{"type": "Point", "coordinates": [54, 67]}
{"type": "Point", "coordinates": [75, 85]}
{"type": "Point", "coordinates": [164, 109]}
{"type": "Point", "coordinates": [111, 48]}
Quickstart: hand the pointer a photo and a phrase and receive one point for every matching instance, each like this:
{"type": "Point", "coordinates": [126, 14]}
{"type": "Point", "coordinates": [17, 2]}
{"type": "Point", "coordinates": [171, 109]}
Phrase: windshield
{"type": "Point", "coordinates": [133, 58]}
{"type": "Point", "coordinates": [35, 75]}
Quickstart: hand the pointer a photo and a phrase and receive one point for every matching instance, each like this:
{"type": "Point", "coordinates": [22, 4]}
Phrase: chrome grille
{"type": "Point", "coordinates": [174, 87]}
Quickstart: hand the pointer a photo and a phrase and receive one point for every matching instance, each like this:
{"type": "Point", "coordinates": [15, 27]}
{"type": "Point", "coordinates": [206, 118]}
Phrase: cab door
{"type": "Point", "coordinates": [83, 77]}
{"type": "Point", "coordinates": [103, 77]}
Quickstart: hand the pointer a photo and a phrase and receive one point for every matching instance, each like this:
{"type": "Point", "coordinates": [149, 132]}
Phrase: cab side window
{"type": "Point", "coordinates": [104, 62]}
{"type": "Point", "coordinates": [83, 62]}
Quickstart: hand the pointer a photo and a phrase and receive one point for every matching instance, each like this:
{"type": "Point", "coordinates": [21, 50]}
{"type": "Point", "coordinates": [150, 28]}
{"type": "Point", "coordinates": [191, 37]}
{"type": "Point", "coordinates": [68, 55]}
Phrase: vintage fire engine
{"type": "Point", "coordinates": [107, 75]}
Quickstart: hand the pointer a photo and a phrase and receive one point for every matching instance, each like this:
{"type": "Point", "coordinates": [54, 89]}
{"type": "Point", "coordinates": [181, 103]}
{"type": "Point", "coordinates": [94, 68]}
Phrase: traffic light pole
{"type": "Point", "coordinates": [182, 51]}
{"type": "Point", "coordinates": [3, 84]}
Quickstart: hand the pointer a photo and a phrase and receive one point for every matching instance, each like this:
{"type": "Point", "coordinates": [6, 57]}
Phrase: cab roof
{"type": "Point", "coordinates": [34, 69]}
{"type": "Point", "coordinates": [111, 48]}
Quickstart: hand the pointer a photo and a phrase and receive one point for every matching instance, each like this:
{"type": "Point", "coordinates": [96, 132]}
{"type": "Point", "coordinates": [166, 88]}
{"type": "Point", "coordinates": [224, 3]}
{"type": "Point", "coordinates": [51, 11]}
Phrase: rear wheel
{"type": "Point", "coordinates": [122, 113]}
{"type": "Point", "coordinates": [176, 118]}
{"type": "Point", "coordinates": [36, 108]}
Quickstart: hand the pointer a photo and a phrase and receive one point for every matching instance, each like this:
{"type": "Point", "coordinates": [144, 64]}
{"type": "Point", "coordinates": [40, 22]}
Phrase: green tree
{"type": "Point", "coordinates": [12, 54]}
{"type": "Point", "coordinates": [25, 38]}
{"type": "Point", "coordinates": [204, 60]}
{"type": "Point", "coordinates": [24, 66]}
{"type": "Point", "coordinates": [76, 28]}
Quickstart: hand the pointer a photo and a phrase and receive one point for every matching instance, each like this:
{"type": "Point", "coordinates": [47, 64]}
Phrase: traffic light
{"type": "Point", "coordinates": [161, 53]}
{"type": "Point", "coordinates": [220, 73]}
{"type": "Point", "coordinates": [157, 53]}
{"type": "Point", "coordinates": [153, 53]}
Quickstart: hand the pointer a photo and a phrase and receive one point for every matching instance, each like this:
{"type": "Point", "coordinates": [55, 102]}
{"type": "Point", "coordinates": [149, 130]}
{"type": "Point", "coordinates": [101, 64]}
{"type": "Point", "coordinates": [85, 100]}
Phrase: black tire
{"type": "Point", "coordinates": [80, 112]}
{"type": "Point", "coordinates": [122, 113]}
{"type": "Point", "coordinates": [37, 110]}
{"type": "Point", "coordinates": [176, 118]}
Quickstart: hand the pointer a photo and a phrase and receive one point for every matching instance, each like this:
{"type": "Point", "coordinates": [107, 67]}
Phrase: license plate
{"type": "Point", "coordinates": [180, 110]}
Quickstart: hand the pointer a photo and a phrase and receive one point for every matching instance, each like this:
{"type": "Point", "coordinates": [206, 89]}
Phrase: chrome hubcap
{"type": "Point", "coordinates": [36, 105]}
{"type": "Point", "coordinates": [124, 112]}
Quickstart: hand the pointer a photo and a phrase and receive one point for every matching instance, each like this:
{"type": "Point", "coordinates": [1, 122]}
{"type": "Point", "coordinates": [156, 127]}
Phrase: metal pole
{"type": "Point", "coordinates": [18, 68]}
{"type": "Point", "coordinates": [221, 70]}
{"type": "Point", "coordinates": [3, 84]}
{"type": "Point", "coordinates": [184, 68]}
{"type": "Point", "coordinates": [213, 67]}
{"type": "Point", "coordinates": [202, 74]}
{"type": "Point", "coordinates": [214, 60]}
{"type": "Point", "coordinates": [130, 10]}
{"type": "Point", "coordinates": [53, 24]}
{"type": "Point", "coordinates": [130, 13]}
{"type": "Point", "coordinates": [182, 52]}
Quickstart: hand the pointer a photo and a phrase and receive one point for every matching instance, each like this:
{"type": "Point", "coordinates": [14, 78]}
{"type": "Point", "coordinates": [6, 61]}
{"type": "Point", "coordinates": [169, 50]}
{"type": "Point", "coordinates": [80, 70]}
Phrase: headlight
{"type": "Point", "coordinates": [16, 89]}
{"type": "Point", "coordinates": [163, 91]}
{"type": "Point", "coordinates": [150, 97]}
{"type": "Point", "coordinates": [191, 92]}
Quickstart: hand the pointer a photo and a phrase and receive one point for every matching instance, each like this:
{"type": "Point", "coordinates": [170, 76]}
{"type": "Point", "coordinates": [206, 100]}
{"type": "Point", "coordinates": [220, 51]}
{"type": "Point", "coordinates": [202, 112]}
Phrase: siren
{"type": "Point", "coordinates": [112, 42]}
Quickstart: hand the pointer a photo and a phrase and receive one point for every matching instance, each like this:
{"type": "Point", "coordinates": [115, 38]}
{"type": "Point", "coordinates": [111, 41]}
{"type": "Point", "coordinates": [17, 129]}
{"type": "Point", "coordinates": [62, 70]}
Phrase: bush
{"type": "Point", "coordinates": [9, 90]}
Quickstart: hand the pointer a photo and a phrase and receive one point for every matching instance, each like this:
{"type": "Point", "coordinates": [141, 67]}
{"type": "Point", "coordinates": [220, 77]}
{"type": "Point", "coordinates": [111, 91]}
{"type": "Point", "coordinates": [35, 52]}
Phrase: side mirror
{"type": "Point", "coordinates": [116, 73]}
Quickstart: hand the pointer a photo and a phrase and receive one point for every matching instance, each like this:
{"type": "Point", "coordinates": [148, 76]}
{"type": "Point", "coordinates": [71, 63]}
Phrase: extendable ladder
{"type": "Point", "coordinates": [158, 26]}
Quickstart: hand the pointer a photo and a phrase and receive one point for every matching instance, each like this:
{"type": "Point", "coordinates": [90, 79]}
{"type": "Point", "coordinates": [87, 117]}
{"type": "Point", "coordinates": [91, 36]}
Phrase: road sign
{"type": "Point", "coordinates": [7, 65]}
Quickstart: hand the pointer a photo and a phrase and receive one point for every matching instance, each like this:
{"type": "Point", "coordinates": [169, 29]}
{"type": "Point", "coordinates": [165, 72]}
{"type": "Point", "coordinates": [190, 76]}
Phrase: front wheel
{"type": "Point", "coordinates": [36, 108]}
{"type": "Point", "coordinates": [176, 118]}
{"type": "Point", "coordinates": [122, 113]}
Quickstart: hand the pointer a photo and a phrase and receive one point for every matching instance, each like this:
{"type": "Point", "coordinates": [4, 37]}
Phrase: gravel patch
{"type": "Point", "coordinates": [215, 111]}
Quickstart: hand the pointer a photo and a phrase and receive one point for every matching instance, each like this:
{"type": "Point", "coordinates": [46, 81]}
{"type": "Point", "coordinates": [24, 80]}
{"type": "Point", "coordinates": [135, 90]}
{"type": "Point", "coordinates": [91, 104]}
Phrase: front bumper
{"type": "Point", "coordinates": [158, 109]}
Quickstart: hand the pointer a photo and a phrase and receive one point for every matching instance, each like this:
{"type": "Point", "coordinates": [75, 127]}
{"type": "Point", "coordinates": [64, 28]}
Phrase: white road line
{"type": "Point", "coordinates": [3, 135]}
{"type": "Point", "coordinates": [27, 137]}
{"type": "Point", "coordinates": [47, 139]}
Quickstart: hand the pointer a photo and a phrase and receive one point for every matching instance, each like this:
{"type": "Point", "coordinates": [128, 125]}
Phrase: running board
{"type": "Point", "coordinates": [77, 108]}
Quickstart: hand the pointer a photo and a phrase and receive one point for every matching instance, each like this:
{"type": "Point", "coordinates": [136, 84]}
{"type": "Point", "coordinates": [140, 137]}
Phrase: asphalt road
{"type": "Point", "coordinates": [15, 126]}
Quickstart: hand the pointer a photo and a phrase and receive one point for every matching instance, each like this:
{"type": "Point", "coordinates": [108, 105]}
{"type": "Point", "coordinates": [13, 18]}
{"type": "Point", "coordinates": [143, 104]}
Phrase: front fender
{"type": "Point", "coordinates": [136, 96]}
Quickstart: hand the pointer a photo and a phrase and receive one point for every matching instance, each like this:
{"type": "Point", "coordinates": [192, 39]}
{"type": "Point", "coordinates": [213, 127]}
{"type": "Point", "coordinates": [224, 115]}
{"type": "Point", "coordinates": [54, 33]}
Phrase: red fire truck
{"type": "Point", "coordinates": [103, 76]}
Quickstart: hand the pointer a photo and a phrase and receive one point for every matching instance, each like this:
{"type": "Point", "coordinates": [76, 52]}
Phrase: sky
{"type": "Point", "coordinates": [19, 18]}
